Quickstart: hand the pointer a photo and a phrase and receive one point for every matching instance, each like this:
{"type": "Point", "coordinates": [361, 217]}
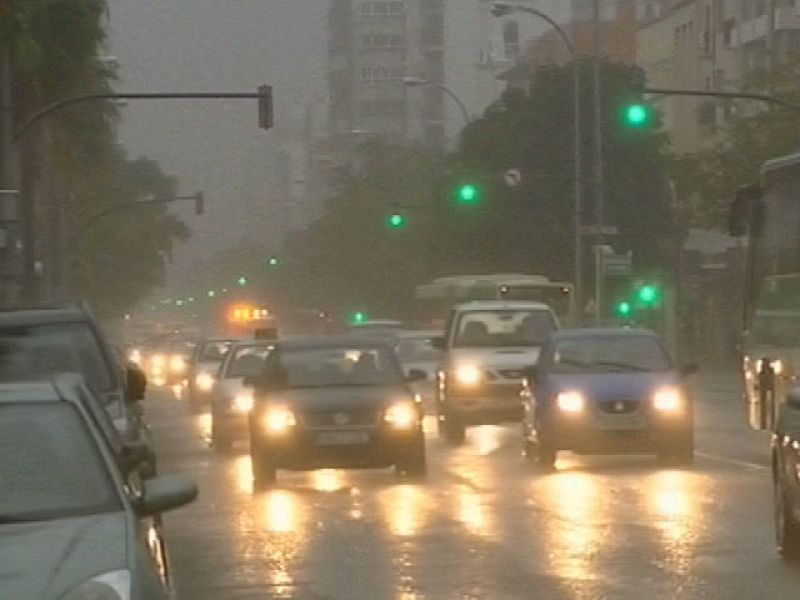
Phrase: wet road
{"type": "Point", "coordinates": [484, 524]}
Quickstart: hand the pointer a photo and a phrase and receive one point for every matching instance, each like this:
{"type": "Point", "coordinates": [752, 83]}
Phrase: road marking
{"type": "Point", "coordinates": [733, 461]}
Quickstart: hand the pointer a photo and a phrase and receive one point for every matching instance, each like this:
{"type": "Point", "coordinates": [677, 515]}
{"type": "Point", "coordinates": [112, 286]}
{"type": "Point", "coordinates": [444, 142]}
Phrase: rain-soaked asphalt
{"type": "Point", "coordinates": [484, 524]}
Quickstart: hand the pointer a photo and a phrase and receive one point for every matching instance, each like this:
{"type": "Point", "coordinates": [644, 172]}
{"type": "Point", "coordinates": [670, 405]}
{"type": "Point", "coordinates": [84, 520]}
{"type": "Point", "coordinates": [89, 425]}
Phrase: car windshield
{"type": "Point", "coordinates": [34, 352]}
{"type": "Point", "coordinates": [494, 328]}
{"type": "Point", "coordinates": [247, 361]}
{"type": "Point", "coordinates": [214, 351]}
{"type": "Point", "coordinates": [345, 366]}
{"type": "Point", "coordinates": [417, 350]}
{"type": "Point", "coordinates": [601, 354]}
{"type": "Point", "coordinates": [51, 467]}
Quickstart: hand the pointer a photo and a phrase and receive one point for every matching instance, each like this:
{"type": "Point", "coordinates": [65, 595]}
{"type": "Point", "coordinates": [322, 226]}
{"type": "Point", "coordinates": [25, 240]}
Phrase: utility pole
{"type": "Point", "coordinates": [599, 199]}
{"type": "Point", "coordinates": [771, 49]}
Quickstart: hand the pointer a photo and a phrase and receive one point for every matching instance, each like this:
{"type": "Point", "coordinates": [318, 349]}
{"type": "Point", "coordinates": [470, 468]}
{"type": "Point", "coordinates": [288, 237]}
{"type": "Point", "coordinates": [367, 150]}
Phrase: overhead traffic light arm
{"type": "Point", "coordinates": [713, 94]}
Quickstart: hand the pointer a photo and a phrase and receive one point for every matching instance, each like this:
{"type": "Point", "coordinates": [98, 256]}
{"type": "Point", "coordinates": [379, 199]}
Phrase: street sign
{"type": "Point", "coordinates": [513, 177]}
{"type": "Point", "coordinates": [599, 230]}
{"type": "Point", "coordinates": [619, 265]}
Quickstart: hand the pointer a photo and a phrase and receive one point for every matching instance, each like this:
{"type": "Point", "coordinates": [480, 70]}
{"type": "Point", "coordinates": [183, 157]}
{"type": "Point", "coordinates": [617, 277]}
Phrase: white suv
{"type": "Point", "coordinates": [487, 347]}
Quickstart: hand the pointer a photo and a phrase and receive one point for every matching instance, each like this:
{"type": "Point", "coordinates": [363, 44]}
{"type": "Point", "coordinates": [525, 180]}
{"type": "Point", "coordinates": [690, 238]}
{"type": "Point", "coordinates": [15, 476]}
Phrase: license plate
{"type": "Point", "coordinates": [621, 422]}
{"type": "Point", "coordinates": [342, 438]}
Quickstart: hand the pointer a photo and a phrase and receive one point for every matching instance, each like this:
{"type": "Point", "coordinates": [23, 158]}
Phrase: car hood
{"type": "Point", "coordinates": [508, 357]}
{"type": "Point", "coordinates": [210, 367]}
{"type": "Point", "coordinates": [341, 398]}
{"type": "Point", "coordinates": [613, 386]}
{"type": "Point", "coordinates": [44, 560]}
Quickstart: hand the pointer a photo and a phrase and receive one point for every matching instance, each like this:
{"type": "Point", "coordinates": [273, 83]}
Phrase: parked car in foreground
{"type": "Point", "coordinates": [71, 526]}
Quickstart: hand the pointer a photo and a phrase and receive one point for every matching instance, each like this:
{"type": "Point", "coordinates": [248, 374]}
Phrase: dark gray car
{"type": "Point", "coordinates": [70, 526]}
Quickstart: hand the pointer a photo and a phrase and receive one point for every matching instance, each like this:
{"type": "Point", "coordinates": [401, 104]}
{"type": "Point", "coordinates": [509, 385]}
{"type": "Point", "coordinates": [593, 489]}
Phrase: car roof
{"type": "Point", "coordinates": [588, 332]}
{"type": "Point", "coordinates": [501, 305]}
{"type": "Point", "coordinates": [43, 315]}
{"type": "Point", "coordinates": [332, 342]}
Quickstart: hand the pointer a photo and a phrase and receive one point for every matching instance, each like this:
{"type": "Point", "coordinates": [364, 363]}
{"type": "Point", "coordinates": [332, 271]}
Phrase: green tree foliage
{"type": "Point", "coordinates": [56, 48]}
{"type": "Point", "coordinates": [755, 133]}
{"type": "Point", "coordinates": [351, 259]}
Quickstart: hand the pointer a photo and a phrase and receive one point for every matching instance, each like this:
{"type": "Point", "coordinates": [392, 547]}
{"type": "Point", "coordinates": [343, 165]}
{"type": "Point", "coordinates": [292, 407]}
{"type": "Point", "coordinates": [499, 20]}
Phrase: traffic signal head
{"type": "Point", "coordinates": [468, 194]}
{"type": "Point", "coordinates": [648, 295]}
{"type": "Point", "coordinates": [358, 318]}
{"type": "Point", "coordinates": [396, 221]}
{"type": "Point", "coordinates": [637, 115]}
{"type": "Point", "coordinates": [273, 261]}
{"type": "Point", "coordinates": [623, 309]}
{"type": "Point", "coordinates": [242, 280]}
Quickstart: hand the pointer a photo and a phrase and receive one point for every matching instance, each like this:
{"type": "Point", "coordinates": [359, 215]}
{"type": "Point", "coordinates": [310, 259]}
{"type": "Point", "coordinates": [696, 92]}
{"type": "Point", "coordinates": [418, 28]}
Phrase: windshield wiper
{"type": "Point", "coordinates": [621, 366]}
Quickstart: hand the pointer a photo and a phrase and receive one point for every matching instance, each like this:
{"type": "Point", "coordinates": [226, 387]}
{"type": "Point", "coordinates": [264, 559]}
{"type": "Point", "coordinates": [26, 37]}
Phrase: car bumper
{"type": "Point", "coordinates": [317, 449]}
{"type": "Point", "coordinates": [633, 433]}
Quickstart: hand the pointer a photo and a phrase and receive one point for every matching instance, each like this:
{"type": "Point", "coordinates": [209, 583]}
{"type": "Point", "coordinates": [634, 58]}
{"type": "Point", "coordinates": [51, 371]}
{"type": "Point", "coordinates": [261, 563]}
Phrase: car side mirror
{"type": "Point", "coordinates": [416, 375]}
{"type": "Point", "coordinates": [438, 343]}
{"type": "Point", "coordinates": [136, 384]}
{"type": "Point", "coordinates": [689, 369]}
{"type": "Point", "coordinates": [166, 492]}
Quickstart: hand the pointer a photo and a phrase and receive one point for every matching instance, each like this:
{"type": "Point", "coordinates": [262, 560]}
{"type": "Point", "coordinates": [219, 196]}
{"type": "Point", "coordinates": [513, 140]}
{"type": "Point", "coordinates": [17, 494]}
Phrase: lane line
{"type": "Point", "coordinates": [733, 461]}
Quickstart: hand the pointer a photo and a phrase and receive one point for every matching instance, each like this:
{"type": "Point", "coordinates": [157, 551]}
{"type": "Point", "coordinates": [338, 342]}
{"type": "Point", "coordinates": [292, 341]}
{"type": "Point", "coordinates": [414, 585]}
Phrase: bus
{"type": "Point", "coordinates": [768, 216]}
{"type": "Point", "coordinates": [433, 300]}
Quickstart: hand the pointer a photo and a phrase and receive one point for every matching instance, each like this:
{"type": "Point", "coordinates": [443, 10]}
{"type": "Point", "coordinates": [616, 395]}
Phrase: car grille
{"type": "Point", "coordinates": [339, 418]}
{"type": "Point", "coordinates": [619, 407]}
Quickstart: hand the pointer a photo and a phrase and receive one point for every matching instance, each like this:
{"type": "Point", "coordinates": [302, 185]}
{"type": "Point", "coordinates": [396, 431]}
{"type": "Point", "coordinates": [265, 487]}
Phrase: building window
{"type": "Point", "coordinates": [383, 8]}
{"type": "Point", "coordinates": [511, 39]}
{"type": "Point", "coordinates": [382, 73]}
{"type": "Point", "coordinates": [727, 32]}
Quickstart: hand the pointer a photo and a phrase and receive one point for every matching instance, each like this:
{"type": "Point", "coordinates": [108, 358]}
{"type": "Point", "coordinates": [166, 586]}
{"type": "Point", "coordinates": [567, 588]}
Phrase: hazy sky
{"type": "Point", "coordinates": [217, 45]}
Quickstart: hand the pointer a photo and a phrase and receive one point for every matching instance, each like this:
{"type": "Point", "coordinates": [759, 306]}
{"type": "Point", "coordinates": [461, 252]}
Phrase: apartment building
{"type": "Point", "coordinates": [709, 45]}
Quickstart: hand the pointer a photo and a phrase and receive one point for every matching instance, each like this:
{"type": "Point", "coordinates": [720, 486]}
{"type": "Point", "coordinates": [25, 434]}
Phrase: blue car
{"type": "Point", "coordinates": [607, 391]}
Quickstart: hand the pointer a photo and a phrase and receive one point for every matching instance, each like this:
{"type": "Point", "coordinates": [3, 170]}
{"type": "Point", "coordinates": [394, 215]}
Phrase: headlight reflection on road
{"type": "Point", "coordinates": [406, 509]}
{"type": "Point", "coordinates": [676, 515]}
{"type": "Point", "coordinates": [487, 438]}
{"type": "Point", "coordinates": [473, 513]}
{"type": "Point", "coordinates": [575, 533]}
{"type": "Point", "coordinates": [243, 473]}
{"type": "Point", "coordinates": [280, 512]}
{"type": "Point", "coordinates": [328, 480]}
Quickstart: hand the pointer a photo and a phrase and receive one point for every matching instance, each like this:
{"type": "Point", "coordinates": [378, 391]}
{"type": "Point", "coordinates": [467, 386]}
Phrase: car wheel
{"type": "Point", "coordinates": [787, 529]}
{"type": "Point", "coordinates": [264, 472]}
{"type": "Point", "coordinates": [220, 439]}
{"type": "Point", "coordinates": [453, 431]}
{"type": "Point", "coordinates": [546, 455]}
{"type": "Point", "coordinates": [680, 452]}
{"type": "Point", "coordinates": [413, 465]}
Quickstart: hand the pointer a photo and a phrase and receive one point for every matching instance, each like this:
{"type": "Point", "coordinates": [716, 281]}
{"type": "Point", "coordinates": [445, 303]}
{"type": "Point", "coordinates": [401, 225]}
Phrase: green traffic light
{"type": "Point", "coordinates": [358, 318]}
{"type": "Point", "coordinates": [396, 221]}
{"type": "Point", "coordinates": [637, 116]}
{"type": "Point", "coordinates": [623, 309]}
{"type": "Point", "coordinates": [273, 261]}
{"type": "Point", "coordinates": [211, 293]}
{"type": "Point", "coordinates": [242, 280]}
{"type": "Point", "coordinates": [648, 295]}
{"type": "Point", "coordinates": [468, 194]}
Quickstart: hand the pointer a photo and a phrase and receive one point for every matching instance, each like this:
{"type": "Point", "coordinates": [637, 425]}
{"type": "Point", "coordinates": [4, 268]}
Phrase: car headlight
{"type": "Point", "coordinates": [158, 360]}
{"type": "Point", "coordinates": [468, 375]}
{"type": "Point", "coordinates": [278, 419]}
{"type": "Point", "coordinates": [114, 585]}
{"type": "Point", "coordinates": [177, 364]}
{"type": "Point", "coordinates": [401, 415]}
{"type": "Point", "coordinates": [570, 402]}
{"type": "Point", "coordinates": [668, 400]}
{"type": "Point", "coordinates": [204, 381]}
{"type": "Point", "coordinates": [243, 402]}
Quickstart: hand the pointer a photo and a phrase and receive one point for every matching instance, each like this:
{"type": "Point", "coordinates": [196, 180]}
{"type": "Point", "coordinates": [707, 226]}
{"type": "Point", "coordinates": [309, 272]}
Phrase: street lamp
{"type": "Point", "coordinates": [502, 9]}
{"type": "Point", "coordinates": [421, 82]}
